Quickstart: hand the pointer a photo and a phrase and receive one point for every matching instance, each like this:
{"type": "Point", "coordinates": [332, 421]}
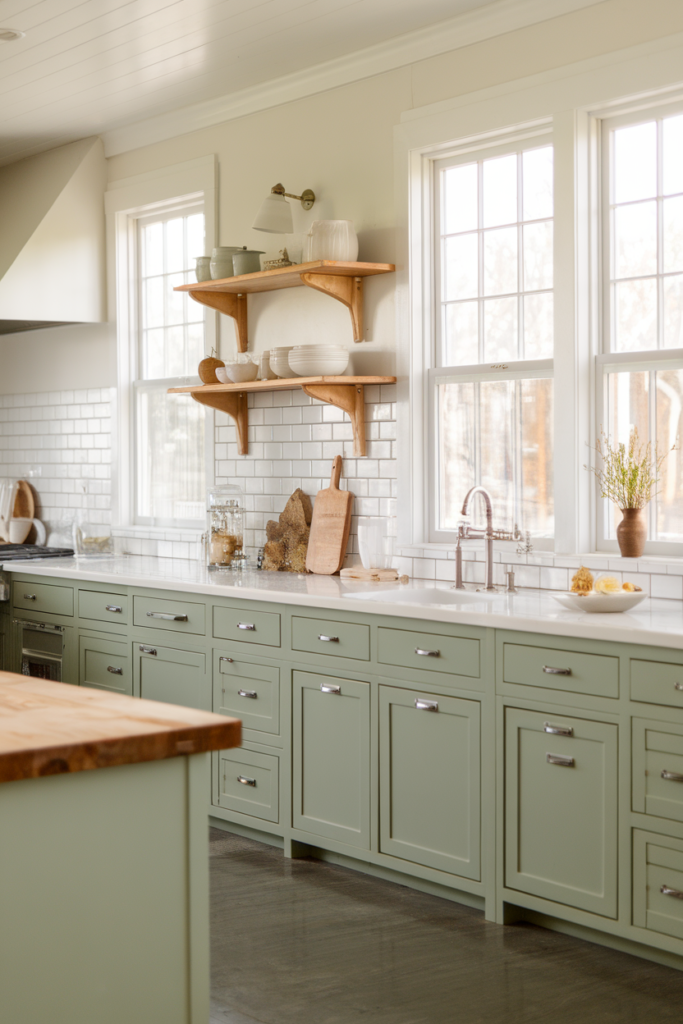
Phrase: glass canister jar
{"type": "Point", "coordinates": [225, 527]}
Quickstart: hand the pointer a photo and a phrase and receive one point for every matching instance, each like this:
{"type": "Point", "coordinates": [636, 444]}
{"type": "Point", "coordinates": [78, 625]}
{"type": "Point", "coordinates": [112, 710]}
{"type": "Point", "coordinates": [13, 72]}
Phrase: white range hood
{"type": "Point", "coordinates": [52, 242]}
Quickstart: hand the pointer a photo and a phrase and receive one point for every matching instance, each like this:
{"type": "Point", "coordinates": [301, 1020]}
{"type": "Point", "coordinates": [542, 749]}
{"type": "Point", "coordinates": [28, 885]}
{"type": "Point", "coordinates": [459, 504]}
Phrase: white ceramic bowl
{"type": "Point", "coordinates": [622, 601]}
{"type": "Point", "coordinates": [237, 373]}
{"type": "Point", "coordinates": [278, 360]}
{"type": "Point", "coordinates": [321, 363]}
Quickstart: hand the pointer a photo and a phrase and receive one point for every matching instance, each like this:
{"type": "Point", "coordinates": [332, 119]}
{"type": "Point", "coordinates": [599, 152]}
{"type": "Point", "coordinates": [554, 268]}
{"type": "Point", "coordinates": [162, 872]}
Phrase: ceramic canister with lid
{"type": "Point", "coordinates": [221, 261]}
{"type": "Point", "coordinates": [246, 261]}
{"type": "Point", "coordinates": [203, 268]}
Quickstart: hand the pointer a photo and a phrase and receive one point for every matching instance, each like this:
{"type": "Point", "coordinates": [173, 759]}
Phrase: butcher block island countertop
{"type": "Point", "coordinates": [104, 861]}
{"type": "Point", "coordinates": [49, 728]}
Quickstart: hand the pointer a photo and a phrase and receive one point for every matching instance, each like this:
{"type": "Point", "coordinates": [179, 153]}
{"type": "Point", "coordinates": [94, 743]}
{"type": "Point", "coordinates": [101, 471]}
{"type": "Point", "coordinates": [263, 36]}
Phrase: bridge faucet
{"type": "Point", "coordinates": [465, 532]}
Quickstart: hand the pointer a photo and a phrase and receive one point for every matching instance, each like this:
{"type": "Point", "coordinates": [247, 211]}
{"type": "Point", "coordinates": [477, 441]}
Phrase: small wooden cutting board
{"type": "Point", "coordinates": [330, 526]}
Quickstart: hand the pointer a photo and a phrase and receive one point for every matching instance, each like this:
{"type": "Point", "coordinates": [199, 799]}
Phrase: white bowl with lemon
{"type": "Point", "coordinates": [604, 594]}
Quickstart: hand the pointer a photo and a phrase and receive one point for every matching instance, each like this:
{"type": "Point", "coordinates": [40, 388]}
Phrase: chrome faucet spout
{"type": "Point", "coordinates": [487, 501]}
{"type": "Point", "coordinates": [464, 532]}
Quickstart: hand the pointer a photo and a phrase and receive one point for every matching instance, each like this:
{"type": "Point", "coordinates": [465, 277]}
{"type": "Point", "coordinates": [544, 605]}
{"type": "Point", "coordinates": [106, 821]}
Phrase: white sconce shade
{"type": "Point", "coordinates": [275, 216]}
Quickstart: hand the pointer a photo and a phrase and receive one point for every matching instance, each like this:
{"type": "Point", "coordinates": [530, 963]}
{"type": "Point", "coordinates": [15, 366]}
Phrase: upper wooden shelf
{"type": "Point", "coordinates": [346, 393]}
{"type": "Point", "coordinates": [341, 281]}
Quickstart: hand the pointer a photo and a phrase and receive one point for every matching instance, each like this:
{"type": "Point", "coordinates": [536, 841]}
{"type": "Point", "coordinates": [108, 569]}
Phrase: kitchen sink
{"type": "Point", "coordinates": [402, 596]}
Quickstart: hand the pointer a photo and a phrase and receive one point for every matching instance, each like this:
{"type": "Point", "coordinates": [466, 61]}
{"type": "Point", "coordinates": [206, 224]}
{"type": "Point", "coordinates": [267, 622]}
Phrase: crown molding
{"type": "Point", "coordinates": [463, 30]}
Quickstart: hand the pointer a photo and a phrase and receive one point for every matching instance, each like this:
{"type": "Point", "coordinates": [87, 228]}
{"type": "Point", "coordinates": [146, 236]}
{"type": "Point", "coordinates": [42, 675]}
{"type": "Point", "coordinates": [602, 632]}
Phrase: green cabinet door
{"type": "Point", "coordinates": [244, 688]}
{"type": "Point", "coordinates": [429, 780]}
{"type": "Point", "coordinates": [171, 675]}
{"type": "Point", "coordinates": [105, 664]}
{"type": "Point", "coordinates": [331, 758]}
{"type": "Point", "coordinates": [561, 809]}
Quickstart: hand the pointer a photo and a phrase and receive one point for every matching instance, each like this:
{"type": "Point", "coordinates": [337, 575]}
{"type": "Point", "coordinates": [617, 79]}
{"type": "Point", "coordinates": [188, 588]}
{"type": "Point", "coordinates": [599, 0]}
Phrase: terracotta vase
{"type": "Point", "coordinates": [632, 532]}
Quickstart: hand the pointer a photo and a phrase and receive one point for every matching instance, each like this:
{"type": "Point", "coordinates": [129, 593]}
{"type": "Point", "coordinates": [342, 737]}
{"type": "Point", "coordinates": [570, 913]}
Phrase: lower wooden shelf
{"type": "Point", "coordinates": [347, 393]}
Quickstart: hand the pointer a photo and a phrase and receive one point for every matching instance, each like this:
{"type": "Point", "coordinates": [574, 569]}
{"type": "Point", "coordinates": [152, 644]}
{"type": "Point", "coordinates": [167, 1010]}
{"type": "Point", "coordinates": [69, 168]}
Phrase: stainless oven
{"type": "Point", "coordinates": [42, 649]}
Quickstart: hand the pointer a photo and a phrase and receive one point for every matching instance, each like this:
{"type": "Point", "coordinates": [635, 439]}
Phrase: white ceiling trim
{"type": "Point", "coordinates": [464, 30]}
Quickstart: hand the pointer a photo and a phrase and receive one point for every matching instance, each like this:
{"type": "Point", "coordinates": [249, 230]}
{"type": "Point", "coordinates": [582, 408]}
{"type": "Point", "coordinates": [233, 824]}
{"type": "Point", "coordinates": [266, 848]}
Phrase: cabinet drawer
{"type": "Point", "coordinates": [324, 636]}
{"type": "Point", "coordinates": [243, 689]}
{"type": "Point", "coordinates": [105, 664]}
{"type": "Point", "coordinates": [103, 607]}
{"type": "Point", "coordinates": [179, 615]}
{"type": "Point", "coordinates": [658, 769]}
{"type": "Point", "coordinates": [557, 669]}
{"type": "Point", "coordinates": [172, 676]}
{"type": "Point", "coordinates": [431, 652]}
{"type": "Point", "coordinates": [43, 597]}
{"type": "Point", "coordinates": [658, 883]}
{"type": "Point", "coordinates": [248, 625]}
{"type": "Point", "coordinates": [248, 782]}
{"type": "Point", "coordinates": [656, 683]}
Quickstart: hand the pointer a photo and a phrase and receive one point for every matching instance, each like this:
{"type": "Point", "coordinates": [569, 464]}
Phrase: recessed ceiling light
{"type": "Point", "coordinates": [8, 35]}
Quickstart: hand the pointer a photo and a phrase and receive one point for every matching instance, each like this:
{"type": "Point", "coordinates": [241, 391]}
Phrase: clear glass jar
{"type": "Point", "coordinates": [225, 528]}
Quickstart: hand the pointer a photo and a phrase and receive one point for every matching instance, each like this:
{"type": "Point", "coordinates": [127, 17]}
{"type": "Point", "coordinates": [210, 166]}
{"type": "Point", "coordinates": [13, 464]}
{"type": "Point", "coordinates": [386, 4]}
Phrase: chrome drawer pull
{"type": "Point", "coordinates": [223, 658]}
{"type": "Point", "coordinates": [564, 762]}
{"type": "Point", "coordinates": [29, 597]}
{"type": "Point", "coordinates": [427, 705]}
{"type": "Point", "coordinates": [678, 686]}
{"type": "Point", "coordinates": [329, 688]}
{"type": "Point", "coordinates": [246, 625]}
{"type": "Point", "coordinates": [549, 670]}
{"type": "Point", "coordinates": [246, 781]}
{"type": "Point", "coordinates": [557, 730]}
{"type": "Point", "coordinates": [427, 654]}
{"type": "Point", "coordinates": [676, 893]}
{"type": "Point", "coordinates": [147, 650]}
{"type": "Point", "coordinates": [328, 639]}
{"type": "Point", "coordinates": [672, 776]}
{"type": "Point", "coordinates": [247, 693]}
{"type": "Point", "coordinates": [113, 608]}
{"type": "Point", "coordinates": [114, 671]}
{"type": "Point", "coordinates": [168, 616]}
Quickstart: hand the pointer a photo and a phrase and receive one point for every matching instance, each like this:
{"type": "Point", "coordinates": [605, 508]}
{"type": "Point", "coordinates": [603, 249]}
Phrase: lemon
{"type": "Point", "coordinates": [607, 585]}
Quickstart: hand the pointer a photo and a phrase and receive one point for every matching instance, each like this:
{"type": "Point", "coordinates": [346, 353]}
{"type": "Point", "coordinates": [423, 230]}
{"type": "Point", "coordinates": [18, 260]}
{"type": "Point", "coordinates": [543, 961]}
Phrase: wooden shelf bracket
{"type": "Point", "coordinates": [231, 304]}
{"type": "Point", "coordinates": [348, 290]}
{"type": "Point", "coordinates": [349, 398]}
{"type": "Point", "coordinates": [235, 405]}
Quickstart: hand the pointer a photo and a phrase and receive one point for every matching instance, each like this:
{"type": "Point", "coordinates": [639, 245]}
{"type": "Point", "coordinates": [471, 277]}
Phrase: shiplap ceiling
{"type": "Point", "coordinates": [86, 67]}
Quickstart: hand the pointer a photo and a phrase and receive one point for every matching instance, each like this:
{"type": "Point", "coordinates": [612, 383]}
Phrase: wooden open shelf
{"type": "Point", "coordinates": [346, 393]}
{"type": "Point", "coordinates": [341, 281]}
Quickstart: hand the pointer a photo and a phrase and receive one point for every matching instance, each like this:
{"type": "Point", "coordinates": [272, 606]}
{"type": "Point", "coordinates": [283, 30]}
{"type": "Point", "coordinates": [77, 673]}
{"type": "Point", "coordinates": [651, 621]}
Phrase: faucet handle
{"type": "Point", "coordinates": [510, 581]}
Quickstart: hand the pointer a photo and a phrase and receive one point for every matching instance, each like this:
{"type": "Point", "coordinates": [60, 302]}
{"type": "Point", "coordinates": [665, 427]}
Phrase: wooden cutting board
{"type": "Point", "coordinates": [24, 505]}
{"type": "Point", "coordinates": [330, 526]}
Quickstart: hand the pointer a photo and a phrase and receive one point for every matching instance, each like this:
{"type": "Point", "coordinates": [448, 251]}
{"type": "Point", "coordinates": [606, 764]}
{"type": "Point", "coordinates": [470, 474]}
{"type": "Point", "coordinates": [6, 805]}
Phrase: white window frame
{"type": "Point", "coordinates": [572, 100]}
{"type": "Point", "coordinates": [127, 200]}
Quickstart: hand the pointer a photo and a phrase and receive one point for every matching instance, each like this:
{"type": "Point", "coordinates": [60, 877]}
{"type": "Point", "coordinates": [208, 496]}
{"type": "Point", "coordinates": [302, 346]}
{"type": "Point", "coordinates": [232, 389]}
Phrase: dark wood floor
{"type": "Point", "coordinates": [302, 942]}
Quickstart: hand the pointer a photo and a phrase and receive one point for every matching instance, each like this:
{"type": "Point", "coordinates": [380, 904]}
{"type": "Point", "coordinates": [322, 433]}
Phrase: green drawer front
{"type": "Point", "coordinates": [324, 636]}
{"type": "Point", "coordinates": [556, 669]}
{"type": "Point", "coordinates": [451, 654]}
{"type": "Point", "coordinates": [248, 782]}
{"type": "Point", "coordinates": [43, 597]}
{"type": "Point", "coordinates": [180, 615]}
{"type": "Point", "coordinates": [105, 664]}
{"type": "Point", "coordinates": [247, 625]}
{"type": "Point", "coordinates": [172, 676]}
{"type": "Point", "coordinates": [658, 867]}
{"type": "Point", "coordinates": [248, 691]}
{"type": "Point", "coordinates": [657, 683]}
{"type": "Point", "coordinates": [658, 769]}
{"type": "Point", "coordinates": [103, 607]}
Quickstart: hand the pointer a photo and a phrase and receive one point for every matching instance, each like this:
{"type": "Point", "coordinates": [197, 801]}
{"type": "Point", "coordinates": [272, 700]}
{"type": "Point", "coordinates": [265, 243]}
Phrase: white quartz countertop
{"type": "Point", "coordinates": [656, 621]}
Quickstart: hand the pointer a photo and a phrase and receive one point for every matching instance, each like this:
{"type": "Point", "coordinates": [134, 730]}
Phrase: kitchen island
{"type": "Point", "coordinates": [103, 855]}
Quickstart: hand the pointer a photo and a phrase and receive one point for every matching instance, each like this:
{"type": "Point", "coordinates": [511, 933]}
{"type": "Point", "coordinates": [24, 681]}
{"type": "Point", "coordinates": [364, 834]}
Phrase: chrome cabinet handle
{"type": "Point", "coordinates": [328, 639]}
{"type": "Point", "coordinates": [564, 762]}
{"type": "Point", "coordinates": [329, 688]}
{"type": "Point", "coordinates": [223, 658]}
{"type": "Point", "coordinates": [676, 893]}
{"type": "Point", "coordinates": [248, 693]}
{"type": "Point", "coordinates": [672, 776]}
{"type": "Point", "coordinates": [557, 730]}
{"type": "Point", "coordinates": [427, 705]}
{"type": "Point", "coordinates": [114, 671]}
{"type": "Point", "coordinates": [246, 781]}
{"type": "Point", "coordinates": [113, 608]}
{"type": "Point", "coordinates": [427, 654]}
{"type": "Point", "coordinates": [168, 616]}
{"type": "Point", "coordinates": [246, 625]}
{"type": "Point", "coordinates": [678, 686]}
{"type": "Point", "coordinates": [549, 670]}
{"type": "Point", "coordinates": [147, 650]}
{"type": "Point", "coordinates": [29, 597]}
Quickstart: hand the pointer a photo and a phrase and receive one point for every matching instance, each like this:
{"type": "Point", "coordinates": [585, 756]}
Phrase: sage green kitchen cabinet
{"type": "Point", "coordinates": [50, 598]}
{"type": "Point", "coordinates": [555, 668]}
{"type": "Point", "coordinates": [429, 652]}
{"type": "Point", "coordinates": [329, 637]}
{"type": "Point", "coordinates": [172, 675]}
{"type": "Point", "coordinates": [658, 883]}
{"type": "Point", "coordinates": [105, 664]}
{"type": "Point", "coordinates": [175, 614]}
{"type": "Point", "coordinates": [246, 625]}
{"type": "Point", "coordinates": [430, 780]}
{"type": "Point", "coordinates": [100, 606]}
{"type": "Point", "coordinates": [657, 760]}
{"type": "Point", "coordinates": [331, 758]}
{"type": "Point", "coordinates": [561, 809]}
{"type": "Point", "coordinates": [248, 782]}
{"type": "Point", "coordinates": [246, 688]}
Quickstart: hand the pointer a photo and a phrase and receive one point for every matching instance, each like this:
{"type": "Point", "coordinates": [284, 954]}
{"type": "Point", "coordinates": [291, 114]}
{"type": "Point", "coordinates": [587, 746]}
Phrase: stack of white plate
{"type": "Point", "coordinates": [278, 360]}
{"type": "Point", "coordinates": [318, 360]}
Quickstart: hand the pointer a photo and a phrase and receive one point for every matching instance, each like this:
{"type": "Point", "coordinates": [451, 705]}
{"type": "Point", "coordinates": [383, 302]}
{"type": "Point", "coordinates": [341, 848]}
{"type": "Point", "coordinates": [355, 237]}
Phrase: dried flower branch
{"type": "Point", "coordinates": [629, 473]}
